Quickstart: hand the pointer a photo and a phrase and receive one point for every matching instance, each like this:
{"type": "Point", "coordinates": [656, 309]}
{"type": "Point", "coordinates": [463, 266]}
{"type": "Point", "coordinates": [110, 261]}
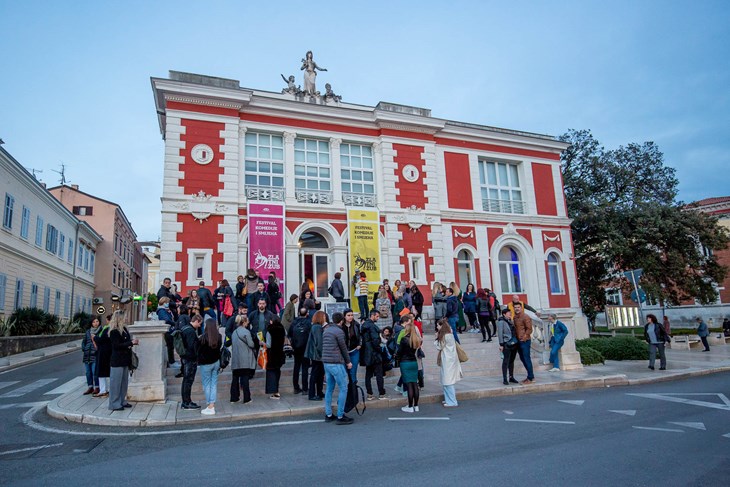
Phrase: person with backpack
{"type": "Point", "coordinates": [507, 337]}
{"type": "Point", "coordinates": [336, 289]}
{"type": "Point", "coordinates": [243, 360]}
{"type": "Point", "coordinates": [494, 309]}
{"type": "Point", "coordinates": [298, 337]}
{"type": "Point", "coordinates": [483, 314]}
{"type": "Point", "coordinates": [275, 337]}
{"type": "Point", "coordinates": [209, 354]}
{"type": "Point", "coordinates": [314, 354]}
{"type": "Point", "coordinates": [382, 304]}
{"type": "Point", "coordinates": [336, 360]}
{"type": "Point", "coordinates": [371, 355]}
{"type": "Point", "coordinates": [186, 341]}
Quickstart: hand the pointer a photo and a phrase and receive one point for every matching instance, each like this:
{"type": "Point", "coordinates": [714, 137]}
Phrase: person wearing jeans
{"type": "Point", "coordinates": [371, 355]}
{"type": "Point", "coordinates": [558, 332]}
{"type": "Point", "coordinates": [656, 337]}
{"type": "Point", "coordinates": [209, 353]}
{"type": "Point", "coordinates": [523, 328]}
{"type": "Point", "coordinates": [452, 312]}
{"type": "Point", "coordinates": [190, 360]}
{"type": "Point", "coordinates": [336, 362]}
{"type": "Point", "coordinates": [703, 331]}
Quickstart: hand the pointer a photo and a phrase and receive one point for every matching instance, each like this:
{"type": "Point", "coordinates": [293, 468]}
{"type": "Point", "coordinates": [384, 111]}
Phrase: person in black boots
{"type": "Point", "coordinates": [190, 360]}
{"type": "Point", "coordinates": [314, 354]}
{"type": "Point", "coordinates": [371, 356]}
{"type": "Point", "coordinates": [298, 337]}
{"type": "Point", "coordinates": [275, 336]}
{"type": "Point", "coordinates": [507, 337]}
{"type": "Point", "coordinates": [243, 360]}
{"type": "Point", "coordinates": [120, 362]}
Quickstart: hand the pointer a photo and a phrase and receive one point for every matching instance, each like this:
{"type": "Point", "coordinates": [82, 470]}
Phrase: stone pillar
{"type": "Point", "coordinates": [569, 356]}
{"type": "Point", "coordinates": [335, 172]}
{"type": "Point", "coordinates": [289, 176]}
{"type": "Point", "coordinates": [148, 383]}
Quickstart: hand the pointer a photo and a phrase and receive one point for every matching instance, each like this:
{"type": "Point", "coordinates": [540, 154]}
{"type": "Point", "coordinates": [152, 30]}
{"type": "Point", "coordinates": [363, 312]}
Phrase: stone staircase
{"type": "Point", "coordinates": [484, 360]}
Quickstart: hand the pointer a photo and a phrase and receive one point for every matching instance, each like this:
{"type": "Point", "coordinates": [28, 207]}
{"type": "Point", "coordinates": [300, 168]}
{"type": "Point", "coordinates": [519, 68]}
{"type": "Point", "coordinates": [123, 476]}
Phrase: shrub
{"type": "Point", "coordinates": [83, 321]}
{"type": "Point", "coordinates": [617, 348]}
{"type": "Point", "coordinates": [589, 356]}
{"type": "Point", "coordinates": [6, 327]}
{"type": "Point", "coordinates": [33, 321]}
{"type": "Point", "coordinates": [151, 302]}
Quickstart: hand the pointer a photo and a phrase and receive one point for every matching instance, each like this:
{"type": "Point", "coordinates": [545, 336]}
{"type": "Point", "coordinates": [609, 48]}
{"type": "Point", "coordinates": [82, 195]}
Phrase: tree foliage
{"type": "Point", "coordinates": [626, 216]}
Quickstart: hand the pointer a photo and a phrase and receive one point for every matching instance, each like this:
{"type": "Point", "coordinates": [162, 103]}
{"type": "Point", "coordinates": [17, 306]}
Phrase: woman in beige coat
{"type": "Point", "coordinates": [449, 362]}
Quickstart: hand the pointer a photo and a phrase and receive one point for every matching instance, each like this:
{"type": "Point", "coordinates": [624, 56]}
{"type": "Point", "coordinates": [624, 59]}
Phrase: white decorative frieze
{"type": "Point", "coordinates": [200, 206]}
{"type": "Point", "coordinates": [556, 238]}
{"type": "Point", "coordinates": [469, 234]}
{"type": "Point", "coordinates": [414, 217]}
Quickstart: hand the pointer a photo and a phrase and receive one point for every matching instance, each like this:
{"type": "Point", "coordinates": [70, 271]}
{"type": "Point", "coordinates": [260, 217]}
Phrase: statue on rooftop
{"type": "Point", "coordinates": [310, 69]}
{"type": "Point", "coordinates": [330, 95]}
{"type": "Point", "coordinates": [291, 88]}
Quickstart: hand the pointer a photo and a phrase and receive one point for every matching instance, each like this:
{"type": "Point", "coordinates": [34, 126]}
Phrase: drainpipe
{"type": "Point", "coordinates": [73, 273]}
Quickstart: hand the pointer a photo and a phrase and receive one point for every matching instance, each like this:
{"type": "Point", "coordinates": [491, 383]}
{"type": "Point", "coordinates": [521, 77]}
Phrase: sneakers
{"type": "Point", "coordinates": [513, 380]}
{"type": "Point", "coordinates": [382, 397]}
{"type": "Point", "coordinates": [189, 405]}
{"type": "Point", "coordinates": [554, 369]}
{"type": "Point", "coordinates": [330, 418]}
{"type": "Point", "coordinates": [371, 397]}
{"type": "Point", "coordinates": [651, 367]}
{"type": "Point", "coordinates": [275, 396]}
{"type": "Point", "coordinates": [209, 411]}
{"type": "Point", "coordinates": [248, 402]}
{"type": "Point", "coordinates": [345, 420]}
{"type": "Point", "coordinates": [415, 408]}
{"type": "Point", "coordinates": [505, 382]}
{"type": "Point", "coordinates": [407, 409]}
{"type": "Point", "coordinates": [398, 389]}
{"type": "Point", "coordinates": [450, 405]}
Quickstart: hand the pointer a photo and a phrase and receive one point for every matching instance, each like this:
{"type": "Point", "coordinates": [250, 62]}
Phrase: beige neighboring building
{"type": "Point", "coordinates": [121, 266]}
{"type": "Point", "coordinates": [152, 252]}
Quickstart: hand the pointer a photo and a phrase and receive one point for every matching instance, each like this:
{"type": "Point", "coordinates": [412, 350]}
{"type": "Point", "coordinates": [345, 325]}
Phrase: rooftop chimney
{"type": "Point", "coordinates": [75, 186]}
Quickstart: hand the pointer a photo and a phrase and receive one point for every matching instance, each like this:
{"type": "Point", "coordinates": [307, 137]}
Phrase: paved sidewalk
{"type": "Point", "coordinates": [76, 407]}
{"type": "Point", "coordinates": [20, 359]}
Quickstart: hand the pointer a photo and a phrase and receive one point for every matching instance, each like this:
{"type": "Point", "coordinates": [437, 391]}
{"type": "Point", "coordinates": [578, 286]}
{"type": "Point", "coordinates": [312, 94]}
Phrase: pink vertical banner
{"type": "Point", "coordinates": [266, 239]}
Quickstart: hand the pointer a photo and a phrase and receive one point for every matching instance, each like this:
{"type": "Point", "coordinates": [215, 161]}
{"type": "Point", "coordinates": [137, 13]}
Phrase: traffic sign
{"type": "Point", "coordinates": [100, 310]}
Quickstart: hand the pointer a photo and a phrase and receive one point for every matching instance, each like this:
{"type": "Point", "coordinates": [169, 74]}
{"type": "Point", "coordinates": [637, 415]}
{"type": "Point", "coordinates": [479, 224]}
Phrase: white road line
{"type": "Point", "coordinates": [68, 386]}
{"type": "Point", "coordinates": [726, 436]}
{"type": "Point", "coordinates": [669, 430]}
{"type": "Point", "coordinates": [30, 448]}
{"type": "Point", "coordinates": [538, 421]}
{"type": "Point", "coordinates": [507, 412]}
{"type": "Point", "coordinates": [574, 403]}
{"type": "Point", "coordinates": [21, 391]}
{"type": "Point", "coordinates": [3, 385]}
{"type": "Point", "coordinates": [28, 420]}
{"type": "Point", "coordinates": [627, 412]}
{"type": "Point", "coordinates": [697, 426]}
{"type": "Point", "coordinates": [25, 405]}
{"type": "Point", "coordinates": [419, 419]}
{"type": "Point", "coordinates": [671, 398]}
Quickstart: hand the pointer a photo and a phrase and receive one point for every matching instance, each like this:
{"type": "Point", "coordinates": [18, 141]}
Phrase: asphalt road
{"type": "Point", "coordinates": [673, 433]}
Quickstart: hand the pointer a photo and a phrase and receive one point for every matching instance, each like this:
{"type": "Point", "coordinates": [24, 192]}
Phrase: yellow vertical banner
{"type": "Point", "coordinates": [364, 236]}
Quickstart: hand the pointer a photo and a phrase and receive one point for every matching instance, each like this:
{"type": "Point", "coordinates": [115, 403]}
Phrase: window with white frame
{"type": "Point", "coordinates": [66, 300]}
{"type": "Point", "coordinates": [46, 299]}
{"type": "Point", "coordinates": [33, 295]}
{"type": "Point", "coordinates": [613, 296]}
{"type": "Point", "coordinates": [417, 268]}
{"type": "Point", "coordinates": [500, 187]}
{"type": "Point", "coordinates": [57, 303]}
{"type": "Point", "coordinates": [51, 239]}
{"type": "Point", "coordinates": [555, 273]}
{"type": "Point", "coordinates": [8, 213]}
{"type": "Point", "coordinates": [86, 259]}
{"type": "Point", "coordinates": [61, 245]}
{"type": "Point", "coordinates": [3, 287]}
{"type": "Point", "coordinates": [358, 174]}
{"type": "Point", "coordinates": [509, 270]}
{"type": "Point", "coordinates": [25, 223]}
{"type": "Point", "coordinates": [264, 165]}
{"type": "Point", "coordinates": [80, 256]}
{"type": "Point", "coordinates": [199, 266]}
{"type": "Point", "coordinates": [312, 178]}
{"type": "Point", "coordinates": [70, 257]}
{"type": "Point", "coordinates": [18, 294]}
{"type": "Point", "coordinates": [39, 230]}
{"type": "Point", "coordinates": [91, 262]}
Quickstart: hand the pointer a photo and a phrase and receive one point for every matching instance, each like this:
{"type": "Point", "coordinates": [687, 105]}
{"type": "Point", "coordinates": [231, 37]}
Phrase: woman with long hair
{"type": "Point", "coordinates": [275, 336]}
{"type": "Point", "coordinates": [314, 354]}
{"type": "Point", "coordinates": [448, 362]}
{"type": "Point", "coordinates": [483, 314]}
{"type": "Point", "coordinates": [193, 302]}
{"type": "Point", "coordinates": [407, 355]}
{"type": "Point", "coordinates": [438, 298]}
{"type": "Point", "coordinates": [226, 299]}
{"type": "Point", "coordinates": [243, 360]}
{"type": "Point", "coordinates": [274, 292]}
{"type": "Point", "coordinates": [103, 358]}
{"type": "Point", "coordinates": [209, 354]}
{"type": "Point", "coordinates": [382, 304]}
{"type": "Point", "coordinates": [469, 300]}
{"type": "Point", "coordinates": [352, 340]}
{"type": "Point", "coordinates": [461, 324]}
{"type": "Point", "coordinates": [120, 362]}
{"type": "Point", "coordinates": [416, 299]}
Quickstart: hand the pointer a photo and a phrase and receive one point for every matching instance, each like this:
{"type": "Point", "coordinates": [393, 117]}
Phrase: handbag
{"type": "Point", "coordinates": [463, 357]}
{"type": "Point", "coordinates": [263, 358]}
{"type": "Point", "coordinates": [134, 364]}
{"type": "Point", "coordinates": [225, 358]}
{"type": "Point", "coordinates": [228, 307]}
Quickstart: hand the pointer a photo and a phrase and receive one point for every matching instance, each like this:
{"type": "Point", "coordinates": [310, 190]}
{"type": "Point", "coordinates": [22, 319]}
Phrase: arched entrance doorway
{"type": "Point", "coordinates": [465, 268]}
{"type": "Point", "coordinates": [314, 263]}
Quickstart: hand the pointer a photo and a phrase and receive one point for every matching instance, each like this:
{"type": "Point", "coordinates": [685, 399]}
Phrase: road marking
{"type": "Point", "coordinates": [28, 420]}
{"type": "Point", "coordinates": [28, 388]}
{"type": "Point", "coordinates": [419, 419]}
{"type": "Point", "coordinates": [726, 436]}
{"type": "Point", "coordinates": [575, 403]}
{"type": "Point", "coordinates": [508, 412]}
{"type": "Point", "coordinates": [3, 385]}
{"type": "Point", "coordinates": [627, 412]}
{"type": "Point", "coordinates": [671, 397]}
{"type": "Point", "coordinates": [25, 405]}
{"type": "Point", "coordinates": [669, 430]}
{"type": "Point", "coordinates": [539, 421]}
{"type": "Point", "coordinates": [697, 426]}
{"type": "Point", "coordinates": [68, 386]}
{"type": "Point", "coordinates": [30, 448]}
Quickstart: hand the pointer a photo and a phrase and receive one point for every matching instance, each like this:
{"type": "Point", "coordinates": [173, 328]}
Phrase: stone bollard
{"type": "Point", "coordinates": [148, 383]}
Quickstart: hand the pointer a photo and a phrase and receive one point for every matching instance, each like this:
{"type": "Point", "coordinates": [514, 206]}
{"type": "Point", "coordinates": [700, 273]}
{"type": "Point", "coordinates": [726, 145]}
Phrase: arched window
{"type": "Point", "coordinates": [555, 274]}
{"type": "Point", "coordinates": [314, 264]}
{"type": "Point", "coordinates": [509, 270]}
{"type": "Point", "coordinates": [465, 266]}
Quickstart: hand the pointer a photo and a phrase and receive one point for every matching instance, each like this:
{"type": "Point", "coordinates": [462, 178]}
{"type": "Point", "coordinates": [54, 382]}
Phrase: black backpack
{"type": "Point", "coordinates": [355, 397]}
{"type": "Point", "coordinates": [179, 343]}
{"type": "Point", "coordinates": [300, 334]}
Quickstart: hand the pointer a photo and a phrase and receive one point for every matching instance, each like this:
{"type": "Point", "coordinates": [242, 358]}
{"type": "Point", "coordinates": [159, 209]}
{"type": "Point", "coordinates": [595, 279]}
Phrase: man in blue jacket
{"type": "Point", "coordinates": [558, 332]}
{"type": "Point", "coordinates": [452, 312]}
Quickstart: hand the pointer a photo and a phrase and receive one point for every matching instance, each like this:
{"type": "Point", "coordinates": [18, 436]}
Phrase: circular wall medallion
{"type": "Point", "coordinates": [202, 154]}
{"type": "Point", "coordinates": [411, 173]}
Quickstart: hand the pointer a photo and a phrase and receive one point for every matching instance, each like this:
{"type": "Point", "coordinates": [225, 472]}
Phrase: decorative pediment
{"type": "Point", "coordinates": [414, 217]}
{"type": "Point", "coordinates": [201, 206]}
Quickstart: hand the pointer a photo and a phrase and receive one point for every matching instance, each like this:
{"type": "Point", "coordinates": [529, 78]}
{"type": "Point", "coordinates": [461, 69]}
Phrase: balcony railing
{"type": "Point", "coordinates": [359, 199]}
{"type": "Point", "coordinates": [265, 193]}
{"type": "Point", "coordinates": [503, 206]}
{"type": "Point", "coordinates": [313, 196]}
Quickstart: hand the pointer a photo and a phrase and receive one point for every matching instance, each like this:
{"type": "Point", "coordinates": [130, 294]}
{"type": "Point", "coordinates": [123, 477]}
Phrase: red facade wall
{"type": "Point", "coordinates": [411, 194]}
{"type": "Point", "coordinates": [198, 177]}
{"type": "Point", "coordinates": [458, 181]}
{"type": "Point", "coordinates": [199, 235]}
{"type": "Point", "coordinates": [542, 178]}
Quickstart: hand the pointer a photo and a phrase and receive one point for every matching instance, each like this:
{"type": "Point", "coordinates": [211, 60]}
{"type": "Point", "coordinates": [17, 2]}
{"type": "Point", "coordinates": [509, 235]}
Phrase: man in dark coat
{"type": "Point", "coordinates": [299, 336]}
{"type": "Point", "coordinates": [260, 319]}
{"type": "Point", "coordinates": [206, 301]}
{"type": "Point", "coordinates": [371, 356]}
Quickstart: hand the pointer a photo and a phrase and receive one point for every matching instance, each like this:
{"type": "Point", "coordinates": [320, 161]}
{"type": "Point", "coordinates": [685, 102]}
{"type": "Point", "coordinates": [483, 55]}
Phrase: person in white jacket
{"type": "Point", "coordinates": [448, 361]}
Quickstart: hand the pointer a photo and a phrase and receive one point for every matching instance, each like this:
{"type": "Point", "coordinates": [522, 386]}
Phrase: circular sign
{"type": "Point", "coordinates": [411, 173]}
{"type": "Point", "coordinates": [202, 154]}
{"type": "Point", "coordinates": [100, 310]}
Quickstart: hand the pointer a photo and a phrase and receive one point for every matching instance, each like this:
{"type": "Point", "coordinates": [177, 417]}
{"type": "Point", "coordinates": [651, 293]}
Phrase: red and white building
{"type": "Point", "coordinates": [457, 201]}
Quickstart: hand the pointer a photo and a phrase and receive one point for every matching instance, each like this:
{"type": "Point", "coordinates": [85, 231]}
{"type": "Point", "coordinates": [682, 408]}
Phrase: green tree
{"type": "Point", "coordinates": [626, 216]}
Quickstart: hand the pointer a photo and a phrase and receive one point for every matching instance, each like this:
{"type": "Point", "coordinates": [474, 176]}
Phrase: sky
{"type": "Point", "coordinates": [75, 75]}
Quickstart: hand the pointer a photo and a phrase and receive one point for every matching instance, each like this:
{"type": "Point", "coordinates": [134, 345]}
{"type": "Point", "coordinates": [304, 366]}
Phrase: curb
{"type": "Point", "coordinates": [41, 354]}
{"type": "Point", "coordinates": [53, 410]}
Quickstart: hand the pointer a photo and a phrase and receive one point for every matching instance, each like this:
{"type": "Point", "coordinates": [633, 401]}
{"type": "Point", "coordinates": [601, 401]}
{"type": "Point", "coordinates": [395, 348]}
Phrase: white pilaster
{"type": "Point", "coordinates": [289, 167]}
{"type": "Point", "coordinates": [335, 174]}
